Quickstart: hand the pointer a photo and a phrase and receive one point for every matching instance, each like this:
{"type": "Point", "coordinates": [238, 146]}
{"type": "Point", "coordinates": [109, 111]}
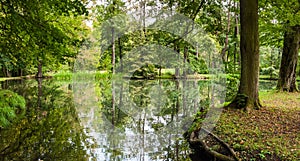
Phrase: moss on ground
{"type": "Point", "coordinates": [271, 133]}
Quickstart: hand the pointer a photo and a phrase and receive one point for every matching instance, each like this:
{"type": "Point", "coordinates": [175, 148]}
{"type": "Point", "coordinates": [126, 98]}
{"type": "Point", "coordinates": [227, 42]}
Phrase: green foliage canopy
{"type": "Point", "coordinates": [32, 31]}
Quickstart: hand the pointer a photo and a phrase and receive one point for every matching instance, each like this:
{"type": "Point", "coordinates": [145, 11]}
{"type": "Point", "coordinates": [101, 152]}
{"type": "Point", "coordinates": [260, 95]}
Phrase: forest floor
{"type": "Point", "coordinates": [270, 134]}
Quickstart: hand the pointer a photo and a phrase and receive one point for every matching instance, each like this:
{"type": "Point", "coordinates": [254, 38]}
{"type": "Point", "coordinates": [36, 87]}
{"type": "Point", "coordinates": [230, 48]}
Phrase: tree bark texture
{"type": "Point", "coordinates": [287, 74]}
{"type": "Point", "coordinates": [247, 96]}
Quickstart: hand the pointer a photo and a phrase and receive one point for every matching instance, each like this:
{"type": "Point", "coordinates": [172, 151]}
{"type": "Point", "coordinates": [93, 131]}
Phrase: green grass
{"type": "Point", "coordinates": [67, 76]}
{"type": "Point", "coordinates": [267, 77]}
{"type": "Point", "coordinates": [271, 133]}
{"type": "Point", "coordinates": [9, 78]}
{"type": "Point", "coordinates": [15, 78]}
{"type": "Point", "coordinates": [2, 79]}
{"type": "Point", "coordinates": [171, 71]}
{"type": "Point", "coordinates": [63, 75]}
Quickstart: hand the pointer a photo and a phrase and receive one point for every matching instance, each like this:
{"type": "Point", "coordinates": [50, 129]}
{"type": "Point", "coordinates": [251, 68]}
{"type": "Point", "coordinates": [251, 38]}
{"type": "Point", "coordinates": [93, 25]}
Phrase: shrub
{"type": "Point", "coordinates": [12, 106]}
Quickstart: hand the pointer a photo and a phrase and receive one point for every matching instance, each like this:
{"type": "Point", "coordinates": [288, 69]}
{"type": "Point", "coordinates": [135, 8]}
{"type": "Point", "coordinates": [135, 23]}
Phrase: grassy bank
{"type": "Point", "coordinates": [4, 79]}
{"type": "Point", "coordinates": [67, 76]}
{"type": "Point", "coordinates": [16, 78]}
{"type": "Point", "coordinates": [271, 133]}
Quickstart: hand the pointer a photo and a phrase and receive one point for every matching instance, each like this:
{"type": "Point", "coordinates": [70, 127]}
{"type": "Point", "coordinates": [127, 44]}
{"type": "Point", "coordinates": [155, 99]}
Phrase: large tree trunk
{"type": "Point", "coordinates": [247, 96]}
{"type": "Point", "coordinates": [287, 74]}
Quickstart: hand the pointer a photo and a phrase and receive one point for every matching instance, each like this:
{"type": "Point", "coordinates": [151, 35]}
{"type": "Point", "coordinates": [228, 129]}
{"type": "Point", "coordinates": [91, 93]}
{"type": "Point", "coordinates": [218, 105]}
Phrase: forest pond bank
{"type": "Point", "coordinates": [83, 120]}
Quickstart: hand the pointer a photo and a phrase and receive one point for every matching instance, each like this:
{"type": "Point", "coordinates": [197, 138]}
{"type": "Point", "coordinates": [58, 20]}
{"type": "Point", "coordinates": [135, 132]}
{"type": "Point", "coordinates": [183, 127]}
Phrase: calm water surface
{"type": "Point", "coordinates": [132, 120]}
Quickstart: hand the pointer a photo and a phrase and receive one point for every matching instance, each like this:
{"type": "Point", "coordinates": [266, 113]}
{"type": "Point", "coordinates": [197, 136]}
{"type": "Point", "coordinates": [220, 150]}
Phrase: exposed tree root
{"type": "Point", "coordinates": [222, 142]}
{"type": "Point", "coordinates": [241, 101]}
{"type": "Point", "coordinates": [198, 142]}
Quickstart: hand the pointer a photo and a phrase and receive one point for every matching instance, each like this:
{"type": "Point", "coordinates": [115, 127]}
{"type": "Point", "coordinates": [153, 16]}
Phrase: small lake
{"type": "Point", "coordinates": [128, 120]}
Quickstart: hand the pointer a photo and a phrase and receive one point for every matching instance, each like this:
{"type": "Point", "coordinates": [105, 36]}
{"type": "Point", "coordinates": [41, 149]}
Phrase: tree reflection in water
{"type": "Point", "coordinates": [140, 119]}
{"type": "Point", "coordinates": [50, 129]}
{"type": "Point", "coordinates": [104, 120]}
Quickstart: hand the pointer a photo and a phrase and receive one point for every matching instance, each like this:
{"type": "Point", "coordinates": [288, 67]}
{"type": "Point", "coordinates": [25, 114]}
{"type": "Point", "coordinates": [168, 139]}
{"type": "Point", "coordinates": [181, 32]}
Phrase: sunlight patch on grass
{"type": "Point", "coordinates": [282, 100]}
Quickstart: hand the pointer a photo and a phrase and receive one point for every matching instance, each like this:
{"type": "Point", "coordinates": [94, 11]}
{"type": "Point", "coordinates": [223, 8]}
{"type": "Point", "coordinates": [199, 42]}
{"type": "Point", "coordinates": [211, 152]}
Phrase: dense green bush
{"type": "Point", "coordinates": [12, 106]}
{"type": "Point", "coordinates": [198, 65]}
{"type": "Point", "coordinates": [270, 71]}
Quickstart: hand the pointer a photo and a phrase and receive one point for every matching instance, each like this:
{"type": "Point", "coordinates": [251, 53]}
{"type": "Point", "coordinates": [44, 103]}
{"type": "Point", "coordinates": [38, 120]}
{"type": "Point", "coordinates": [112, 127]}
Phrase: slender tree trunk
{"type": "Point", "coordinates": [185, 56]}
{"type": "Point", "coordinates": [247, 96]}
{"type": "Point", "coordinates": [113, 44]}
{"type": "Point", "coordinates": [223, 52]}
{"type": "Point", "coordinates": [4, 85]}
{"type": "Point", "coordinates": [4, 72]}
{"type": "Point", "coordinates": [236, 32]}
{"type": "Point", "coordinates": [177, 49]}
{"type": "Point", "coordinates": [272, 63]}
{"type": "Point", "coordinates": [228, 59]}
{"type": "Point", "coordinates": [177, 97]}
{"type": "Point", "coordinates": [40, 72]}
{"type": "Point", "coordinates": [120, 105]}
{"type": "Point", "coordinates": [159, 73]}
{"type": "Point", "coordinates": [120, 56]}
{"type": "Point", "coordinates": [235, 54]}
{"type": "Point", "coordinates": [113, 48]}
{"type": "Point", "coordinates": [287, 74]}
{"type": "Point", "coordinates": [21, 72]}
{"type": "Point", "coordinates": [113, 103]}
{"type": "Point", "coordinates": [144, 18]}
{"type": "Point", "coordinates": [40, 92]}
